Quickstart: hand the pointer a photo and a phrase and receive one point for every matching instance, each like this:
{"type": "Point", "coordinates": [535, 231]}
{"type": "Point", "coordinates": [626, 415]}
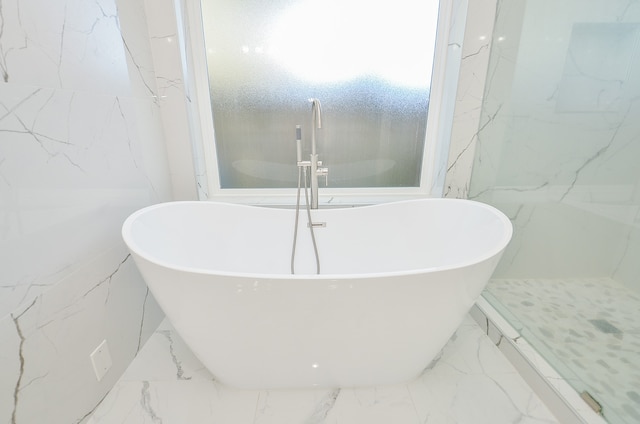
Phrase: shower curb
{"type": "Point", "coordinates": [557, 394]}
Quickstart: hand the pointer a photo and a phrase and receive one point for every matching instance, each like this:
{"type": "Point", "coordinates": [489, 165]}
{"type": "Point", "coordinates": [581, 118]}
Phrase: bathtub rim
{"type": "Point", "coordinates": [137, 250]}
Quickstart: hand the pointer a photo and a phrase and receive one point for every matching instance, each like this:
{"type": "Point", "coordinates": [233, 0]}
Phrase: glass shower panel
{"type": "Point", "coordinates": [369, 63]}
{"type": "Point", "coordinates": [558, 152]}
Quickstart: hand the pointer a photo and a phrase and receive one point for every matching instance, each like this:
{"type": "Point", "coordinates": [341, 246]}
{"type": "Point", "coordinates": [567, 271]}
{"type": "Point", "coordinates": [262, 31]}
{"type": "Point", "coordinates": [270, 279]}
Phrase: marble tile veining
{"type": "Point", "coordinates": [470, 382]}
{"type": "Point", "coordinates": [81, 148]}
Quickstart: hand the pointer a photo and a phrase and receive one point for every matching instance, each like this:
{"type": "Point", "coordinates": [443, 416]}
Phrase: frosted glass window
{"type": "Point", "coordinates": [369, 63]}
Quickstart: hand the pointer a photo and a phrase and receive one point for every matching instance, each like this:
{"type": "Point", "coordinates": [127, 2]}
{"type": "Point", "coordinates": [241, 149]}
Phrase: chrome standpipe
{"type": "Point", "coordinates": [303, 166]}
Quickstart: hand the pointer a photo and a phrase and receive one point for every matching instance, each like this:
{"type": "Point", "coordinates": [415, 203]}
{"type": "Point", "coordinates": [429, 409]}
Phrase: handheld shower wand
{"type": "Point", "coordinates": [298, 143]}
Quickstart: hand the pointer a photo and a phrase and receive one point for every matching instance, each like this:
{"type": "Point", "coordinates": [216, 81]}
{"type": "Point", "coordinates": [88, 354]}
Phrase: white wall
{"type": "Point", "coordinates": [81, 147]}
{"type": "Point", "coordinates": [476, 49]}
{"type": "Point", "coordinates": [165, 34]}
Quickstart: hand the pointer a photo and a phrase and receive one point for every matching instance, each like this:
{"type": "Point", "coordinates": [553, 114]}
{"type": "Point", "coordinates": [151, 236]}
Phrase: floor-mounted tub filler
{"type": "Point", "coordinates": [397, 280]}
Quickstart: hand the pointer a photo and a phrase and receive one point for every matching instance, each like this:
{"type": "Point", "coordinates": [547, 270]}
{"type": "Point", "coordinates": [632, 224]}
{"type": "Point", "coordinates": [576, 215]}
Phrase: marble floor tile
{"type": "Point", "coordinates": [470, 382]}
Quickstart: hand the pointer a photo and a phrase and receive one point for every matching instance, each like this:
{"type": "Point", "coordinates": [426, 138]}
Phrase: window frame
{"type": "Point", "coordinates": [446, 65]}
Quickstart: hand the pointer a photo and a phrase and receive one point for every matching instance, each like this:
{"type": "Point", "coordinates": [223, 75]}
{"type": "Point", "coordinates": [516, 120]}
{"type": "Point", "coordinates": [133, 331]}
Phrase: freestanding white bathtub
{"type": "Point", "coordinates": [396, 281]}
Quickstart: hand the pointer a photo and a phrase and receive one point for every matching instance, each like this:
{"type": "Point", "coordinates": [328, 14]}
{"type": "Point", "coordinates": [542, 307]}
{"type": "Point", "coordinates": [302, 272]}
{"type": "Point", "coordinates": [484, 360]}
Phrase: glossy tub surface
{"type": "Point", "coordinates": [396, 281]}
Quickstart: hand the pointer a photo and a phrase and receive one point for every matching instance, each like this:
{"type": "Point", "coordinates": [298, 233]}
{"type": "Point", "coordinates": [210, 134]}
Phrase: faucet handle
{"type": "Point", "coordinates": [324, 172]}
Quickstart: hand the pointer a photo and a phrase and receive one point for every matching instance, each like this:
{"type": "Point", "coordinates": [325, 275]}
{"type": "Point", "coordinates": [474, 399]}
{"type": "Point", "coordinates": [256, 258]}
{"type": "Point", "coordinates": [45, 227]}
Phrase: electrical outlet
{"type": "Point", "coordinates": [101, 360]}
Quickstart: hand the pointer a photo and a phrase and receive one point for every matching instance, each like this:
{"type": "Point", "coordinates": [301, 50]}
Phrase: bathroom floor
{"type": "Point", "coordinates": [470, 383]}
{"type": "Point", "coordinates": [588, 329]}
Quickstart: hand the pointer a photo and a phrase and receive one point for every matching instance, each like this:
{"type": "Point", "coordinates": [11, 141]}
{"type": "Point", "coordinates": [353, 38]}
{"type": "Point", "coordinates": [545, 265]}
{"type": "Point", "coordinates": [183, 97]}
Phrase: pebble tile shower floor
{"type": "Point", "coordinates": [588, 329]}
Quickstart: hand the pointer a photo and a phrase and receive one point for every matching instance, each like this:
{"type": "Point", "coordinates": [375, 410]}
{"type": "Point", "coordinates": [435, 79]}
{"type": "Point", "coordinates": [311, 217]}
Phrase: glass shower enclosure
{"type": "Point", "coordinates": [559, 153]}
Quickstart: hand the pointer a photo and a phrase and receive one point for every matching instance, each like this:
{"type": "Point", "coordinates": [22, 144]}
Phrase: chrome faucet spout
{"type": "Point", "coordinates": [316, 122]}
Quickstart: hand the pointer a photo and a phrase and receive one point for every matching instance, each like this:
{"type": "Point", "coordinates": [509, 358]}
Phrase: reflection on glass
{"type": "Point", "coordinates": [559, 154]}
{"type": "Point", "coordinates": [368, 62]}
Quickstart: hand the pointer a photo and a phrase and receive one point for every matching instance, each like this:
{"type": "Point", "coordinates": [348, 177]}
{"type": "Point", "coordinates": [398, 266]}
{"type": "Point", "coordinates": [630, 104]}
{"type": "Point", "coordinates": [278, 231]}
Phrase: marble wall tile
{"type": "Point", "coordinates": [10, 363]}
{"type": "Point", "coordinates": [449, 85]}
{"type": "Point", "coordinates": [48, 372]}
{"type": "Point", "coordinates": [565, 174]}
{"type": "Point", "coordinates": [173, 95]}
{"type": "Point", "coordinates": [81, 147]}
{"type": "Point", "coordinates": [545, 239]}
{"type": "Point", "coordinates": [70, 160]}
{"type": "Point", "coordinates": [134, 32]}
{"type": "Point", "coordinates": [468, 102]}
{"type": "Point", "coordinates": [486, 122]}
{"type": "Point", "coordinates": [68, 44]}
